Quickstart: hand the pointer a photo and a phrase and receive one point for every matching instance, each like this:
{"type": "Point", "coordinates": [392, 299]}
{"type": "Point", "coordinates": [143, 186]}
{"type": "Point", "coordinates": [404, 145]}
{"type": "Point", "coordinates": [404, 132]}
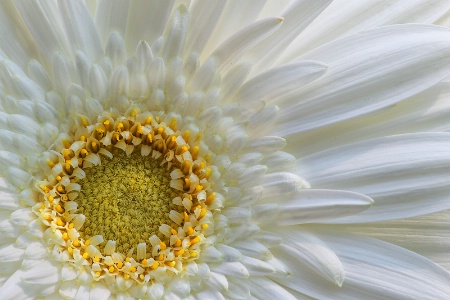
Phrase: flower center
{"type": "Point", "coordinates": [126, 199]}
{"type": "Point", "coordinates": [128, 196]}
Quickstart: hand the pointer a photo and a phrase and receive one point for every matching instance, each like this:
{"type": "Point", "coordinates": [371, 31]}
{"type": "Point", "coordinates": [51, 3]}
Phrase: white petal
{"type": "Point", "coordinates": [43, 273]}
{"type": "Point", "coordinates": [237, 14]}
{"type": "Point", "coordinates": [364, 73]}
{"type": "Point", "coordinates": [100, 292]}
{"type": "Point", "coordinates": [115, 48]}
{"type": "Point", "coordinates": [374, 270]}
{"type": "Point", "coordinates": [279, 160]}
{"type": "Point", "coordinates": [282, 183]}
{"type": "Point", "coordinates": [12, 289]}
{"type": "Point", "coordinates": [68, 273]}
{"type": "Point", "coordinates": [315, 206]}
{"type": "Point", "coordinates": [204, 17]}
{"type": "Point", "coordinates": [218, 282]}
{"type": "Point", "coordinates": [263, 288]}
{"type": "Point", "coordinates": [11, 253]}
{"type": "Point", "coordinates": [211, 254]}
{"type": "Point", "coordinates": [260, 122]}
{"type": "Point", "coordinates": [180, 286]}
{"type": "Point", "coordinates": [119, 83]}
{"type": "Point", "coordinates": [257, 267]}
{"type": "Point", "coordinates": [236, 214]}
{"type": "Point", "coordinates": [252, 248]}
{"type": "Point", "coordinates": [155, 291]}
{"type": "Point", "coordinates": [44, 21]}
{"type": "Point", "coordinates": [111, 16]}
{"type": "Point", "coordinates": [297, 16]}
{"type": "Point", "coordinates": [82, 292]}
{"type": "Point", "coordinates": [80, 28]}
{"type": "Point", "coordinates": [238, 289]}
{"type": "Point", "coordinates": [68, 289]}
{"type": "Point", "coordinates": [21, 217]}
{"type": "Point", "coordinates": [209, 294]}
{"type": "Point", "coordinates": [15, 142]}
{"type": "Point", "coordinates": [333, 22]}
{"type": "Point", "coordinates": [427, 111]}
{"type": "Point", "coordinates": [266, 144]}
{"type": "Point", "coordinates": [406, 175]}
{"type": "Point", "coordinates": [235, 269]}
{"type": "Point", "coordinates": [17, 49]}
{"type": "Point", "coordinates": [175, 33]}
{"type": "Point", "coordinates": [279, 81]}
{"type": "Point", "coordinates": [98, 82]}
{"type": "Point", "coordinates": [9, 230]}
{"type": "Point", "coordinates": [230, 50]}
{"type": "Point", "coordinates": [8, 201]}
{"type": "Point", "coordinates": [427, 235]}
{"type": "Point", "coordinates": [39, 75]}
{"type": "Point", "coordinates": [36, 250]}
{"type": "Point", "coordinates": [18, 177]}
{"type": "Point", "coordinates": [146, 21]}
{"type": "Point", "coordinates": [229, 253]}
{"type": "Point", "coordinates": [312, 252]}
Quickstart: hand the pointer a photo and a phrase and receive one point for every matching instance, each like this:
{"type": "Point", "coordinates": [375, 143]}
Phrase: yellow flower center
{"type": "Point", "coordinates": [128, 196]}
{"type": "Point", "coordinates": [126, 199]}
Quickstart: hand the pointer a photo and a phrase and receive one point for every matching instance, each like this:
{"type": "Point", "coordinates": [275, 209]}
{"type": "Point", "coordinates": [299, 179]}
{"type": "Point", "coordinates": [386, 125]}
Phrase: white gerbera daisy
{"type": "Point", "coordinates": [162, 150]}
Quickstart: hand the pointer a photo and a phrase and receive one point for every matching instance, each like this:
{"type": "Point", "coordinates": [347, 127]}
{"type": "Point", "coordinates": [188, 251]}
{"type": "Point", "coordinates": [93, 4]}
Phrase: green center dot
{"type": "Point", "coordinates": [126, 199]}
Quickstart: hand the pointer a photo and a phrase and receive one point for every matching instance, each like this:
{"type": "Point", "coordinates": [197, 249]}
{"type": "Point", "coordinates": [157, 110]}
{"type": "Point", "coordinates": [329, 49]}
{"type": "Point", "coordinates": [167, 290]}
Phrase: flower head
{"type": "Point", "coordinates": [197, 151]}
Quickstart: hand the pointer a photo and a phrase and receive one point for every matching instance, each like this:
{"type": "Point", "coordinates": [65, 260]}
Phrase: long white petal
{"type": "Point", "coordinates": [263, 288]}
{"type": "Point", "coordinates": [146, 21]}
{"type": "Point", "coordinates": [373, 270]}
{"type": "Point", "coordinates": [111, 16]}
{"type": "Point", "coordinates": [406, 175]}
{"type": "Point", "coordinates": [315, 206]}
{"type": "Point", "coordinates": [237, 14]}
{"type": "Point", "coordinates": [366, 73]}
{"type": "Point", "coordinates": [427, 235]}
{"type": "Point", "coordinates": [297, 16]}
{"type": "Point", "coordinates": [312, 252]}
{"type": "Point", "coordinates": [234, 47]}
{"type": "Point", "coordinates": [428, 111]}
{"type": "Point", "coordinates": [333, 22]}
{"type": "Point", "coordinates": [80, 28]}
{"type": "Point", "coordinates": [278, 81]}
{"type": "Point", "coordinates": [45, 23]}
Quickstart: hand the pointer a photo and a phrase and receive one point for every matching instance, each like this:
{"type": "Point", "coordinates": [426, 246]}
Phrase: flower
{"type": "Point", "coordinates": [205, 151]}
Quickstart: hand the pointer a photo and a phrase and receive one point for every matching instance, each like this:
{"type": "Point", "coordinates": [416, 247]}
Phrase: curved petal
{"type": "Point", "coordinates": [427, 235]}
{"type": "Point", "coordinates": [316, 206]}
{"type": "Point", "coordinates": [111, 16]}
{"type": "Point", "coordinates": [204, 18]}
{"type": "Point", "coordinates": [146, 21]}
{"type": "Point", "coordinates": [366, 73]}
{"type": "Point", "coordinates": [11, 289]}
{"type": "Point", "coordinates": [236, 14]}
{"type": "Point", "coordinates": [312, 253]}
{"type": "Point", "coordinates": [263, 288]}
{"type": "Point", "coordinates": [278, 81]}
{"type": "Point", "coordinates": [373, 270]}
{"type": "Point", "coordinates": [428, 111]}
{"type": "Point", "coordinates": [80, 28]}
{"type": "Point", "coordinates": [298, 15]}
{"type": "Point", "coordinates": [407, 175]}
{"type": "Point", "coordinates": [45, 23]}
{"type": "Point", "coordinates": [17, 47]}
{"type": "Point", "coordinates": [333, 22]}
{"type": "Point", "coordinates": [243, 40]}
